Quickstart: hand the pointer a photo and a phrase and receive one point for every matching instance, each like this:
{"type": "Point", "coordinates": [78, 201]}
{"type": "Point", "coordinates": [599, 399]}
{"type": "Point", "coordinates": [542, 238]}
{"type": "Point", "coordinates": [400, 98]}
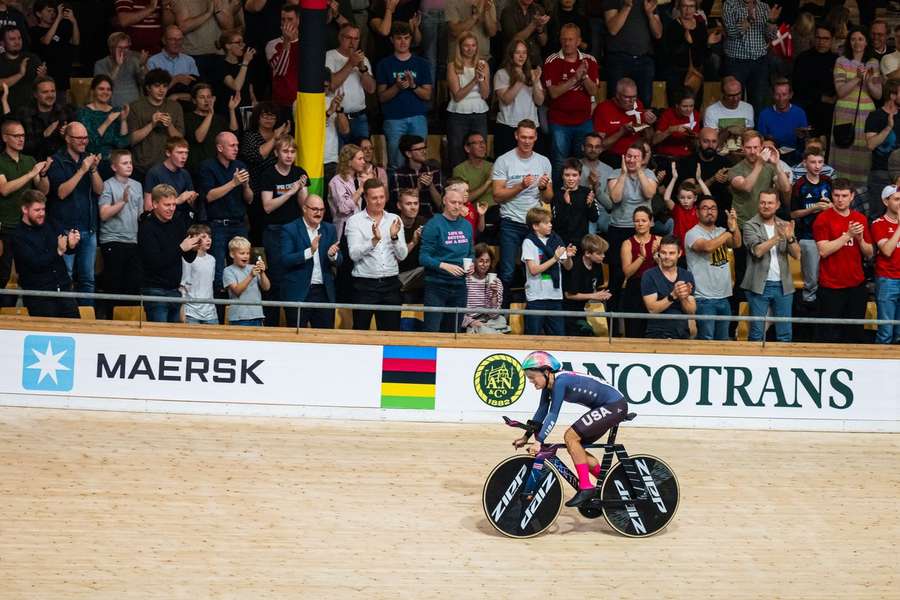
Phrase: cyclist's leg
{"type": "Point", "coordinates": [593, 425]}
{"type": "Point", "coordinates": [579, 456]}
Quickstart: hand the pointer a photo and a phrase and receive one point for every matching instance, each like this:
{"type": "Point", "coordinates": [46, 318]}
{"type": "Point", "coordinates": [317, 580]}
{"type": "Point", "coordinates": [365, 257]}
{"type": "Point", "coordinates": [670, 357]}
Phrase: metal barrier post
{"type": "Point", "coordinates": [141, 315]}
{"type": "Point", "coordinates": [765, 328]}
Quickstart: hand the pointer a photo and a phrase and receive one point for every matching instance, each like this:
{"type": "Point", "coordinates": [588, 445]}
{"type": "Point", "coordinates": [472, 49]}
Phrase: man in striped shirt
{"type": "Point", "coordinates": [750, 25]}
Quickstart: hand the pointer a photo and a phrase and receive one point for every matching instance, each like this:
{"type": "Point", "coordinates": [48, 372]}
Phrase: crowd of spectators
{"type": "Point", "coordinates": [180, 166]}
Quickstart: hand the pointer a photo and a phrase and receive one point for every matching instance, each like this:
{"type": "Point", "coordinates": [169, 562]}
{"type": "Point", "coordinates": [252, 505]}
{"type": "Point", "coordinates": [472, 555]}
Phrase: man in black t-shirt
{"type": "Point", "coordinates": [172, 172]}
{"type": "Point", "coordinates": [667, 288]}
{"type": "Point", "coordinates": [202, 125]}
{"type": "Point", "coordinates": [56, 39]}
{"type": "Point", "coordinates": [882, 138]}
{"type": "Point", "coordinates": [713, 169]}
{"type": "Point", "coordinates": [412, 275]}
{"type": "Point", "coordinates": [582, 283]}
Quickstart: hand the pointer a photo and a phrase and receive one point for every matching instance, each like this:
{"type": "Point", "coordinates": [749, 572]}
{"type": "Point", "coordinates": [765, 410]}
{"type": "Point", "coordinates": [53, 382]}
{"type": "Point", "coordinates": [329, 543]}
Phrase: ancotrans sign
{"type": "Point", "coordinates": [436, 384]}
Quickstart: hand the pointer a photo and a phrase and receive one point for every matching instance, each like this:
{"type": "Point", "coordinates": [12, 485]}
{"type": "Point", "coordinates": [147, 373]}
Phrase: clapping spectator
{"type": "Point", "coordinates": [152, 120]}
{"type": "Point", "coordinates": [45, 120]}
{"type": "Point", "coordinates": [39, 247]}
{"type": "Point", "coordinates": [143, 22]}
{"type": "Point", "coordinates": [56, 38]}
{"type": "Point", "coordinates": [107, 125]}
{"type": "Point", "coordinates": [669, 289]}
{"type": "Point", "coordinates": [483, 290]}
{"type": "Point", "coordinates": [121, 204]}
{"type": "Point", "coordinates": [686, 41]}
{"type": "Point", "coordinates": [172, 172]}
{"type": "Point", "coordinates": [749, 27]}
{"type": "Point", "coordinates": [232, 73]}
{"type": "Point", "coordinates": [163, 242]}
{"type": "Point", "coordinates": [375, 170]}
{"type": "Point", "coordinates": [469, 84]}
{"type": "Point", "coordinates": [418, 172]}
{"type": "Point", "coordinates": [18, 68]}
{"type": "Point", "coordinates": [574, 206]}
{"type": "Point", "coordinates": [202, 125]}
{"type": "Point", "coordinates": [124, 67]}
{"type": "Point", "coordinates": [584, 283]}
{"type": "Point", "coordinates": [476, 16]}
{"type": "Point", "coordinates": [519, 93]}
{"type": "Point", "coordinates": [633, 26]}
{"type": "Point", "coordinates": [544, 254]}
{"type": "Point", "coordinates": [202, 22]}
{"type": "Point", "coordinates": [678, 127]}
{"type": "Point", "coordinates": [75, 185]}
{"type": "Point", "coordinates": [345, 190]}
{"type": "Point", "coordinates": [637, 255]}
{"type": "Point", "coordinates": [886, 235]}
{"type": "Point", "coordinates": [384, 15]}
{"type": "Point", "coordinates": [623, 120]}
{"type": "Point", "coordinates": [176, 63]}
{"type": "Point", "coordinates": [283, 54]}
{"type": "Point", "coordinates": [525, 21]}
{"type": "Point", "coordinates": [412, 274]}
{"type": "Point", "coordinates": [813, 80]}
{"type": "Point", "coordinates": [352, 74]}
{"type": "Point", "coordinates": [810, 196]}
{"type": "Point", "coordinates": [197, 279]}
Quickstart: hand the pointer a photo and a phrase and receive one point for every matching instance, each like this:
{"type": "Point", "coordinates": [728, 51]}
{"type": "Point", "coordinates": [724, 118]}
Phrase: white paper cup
{"type": "Point", "coordinates": [491, 278]}
{"type": "Point", "coordinates": [467, 264]}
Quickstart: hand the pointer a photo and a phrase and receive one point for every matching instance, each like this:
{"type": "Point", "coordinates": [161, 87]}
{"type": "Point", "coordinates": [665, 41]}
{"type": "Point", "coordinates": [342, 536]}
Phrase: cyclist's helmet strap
{"type": "Point", "coordinates": [541, 360]}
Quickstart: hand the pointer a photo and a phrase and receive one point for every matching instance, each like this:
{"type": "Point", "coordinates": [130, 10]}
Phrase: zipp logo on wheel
{"type": "Point", "coordinates": [510, 493]}
{"type": "Point", "coordinates": [538, 498]}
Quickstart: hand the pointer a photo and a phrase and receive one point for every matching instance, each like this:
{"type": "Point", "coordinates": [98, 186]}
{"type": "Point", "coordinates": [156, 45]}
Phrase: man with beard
{"type": "Point", "coordinates": [713, 170]}
{"type": "Point", "coordinates": [595, 175]}
{"type": "Point", "coordinates": [45, 120]}
{"type": "Point", "coordinates": [669, 289]}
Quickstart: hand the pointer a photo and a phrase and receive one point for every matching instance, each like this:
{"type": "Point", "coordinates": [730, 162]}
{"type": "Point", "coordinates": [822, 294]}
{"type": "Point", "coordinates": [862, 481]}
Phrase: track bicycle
{"type": "Point", "coordinates": [637, 496]}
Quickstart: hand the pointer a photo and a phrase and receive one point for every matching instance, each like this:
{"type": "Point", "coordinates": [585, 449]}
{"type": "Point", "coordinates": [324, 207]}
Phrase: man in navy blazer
{"type": "Point", "coordinates": [309, 252]}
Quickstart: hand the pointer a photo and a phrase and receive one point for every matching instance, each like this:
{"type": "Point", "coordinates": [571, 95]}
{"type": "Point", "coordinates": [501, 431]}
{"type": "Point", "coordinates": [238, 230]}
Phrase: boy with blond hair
{"type": "Point", "coordinates": [245, 282]}
{"type": "Point", "coordinates": [543, 251]}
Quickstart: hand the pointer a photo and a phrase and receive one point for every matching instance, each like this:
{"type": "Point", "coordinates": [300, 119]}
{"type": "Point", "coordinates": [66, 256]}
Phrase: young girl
{"type": "Point", "coordinates": [519, 93]}
{"type": "Point", "coordinates": [638, 256]}
{"type": "Point", "coordinates": [485, 290]}
{"type": "Point", "coordinates": [469, 84]}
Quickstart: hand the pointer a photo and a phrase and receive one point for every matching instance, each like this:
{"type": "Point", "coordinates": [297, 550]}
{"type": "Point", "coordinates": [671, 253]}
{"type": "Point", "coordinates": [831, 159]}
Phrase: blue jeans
{"type": "Point", "coordinates": [449, 296]}
{"type": "Point", "coordinates": [162, 312]}
{"type": "Point", "coordinates": [221, 235]}
{"type": "Point", "coordinates": [566, 141]}
{"type": "Point", "coordinates": [759, 304]}
{"type": "Point", "coordinates": [359, 128]}
{"type": "Point", "coordinates": [887, 299]}
{"type": "Point", "coordinates": [712, 330]}
{"type": "Point", "coordinates": [82, 263]}
{"type": "Point", "coordinates": [248, 322]}
{"type": "Point", "coordinates": [753, 75]}
{"type": "Point", "coordinates": [194, 321]}
{"type": "Point", "coordinates": [512, 234]}
{"type": "Point", "coordinates": [546, 325]}
{"type": "Point", "coordinates": [434, 40]}
{"type": "Point", "coordinates": [394, 128]}
{"type": "Point", "coordinates": [639, 68]}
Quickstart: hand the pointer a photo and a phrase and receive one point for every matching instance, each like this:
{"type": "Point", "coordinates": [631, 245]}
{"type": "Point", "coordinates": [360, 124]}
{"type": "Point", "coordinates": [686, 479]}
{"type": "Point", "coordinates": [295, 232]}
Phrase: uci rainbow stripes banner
{"type": "Point", "coordinates": [408, 377]}
{"type": "Point", "coordinates": [309, 110]}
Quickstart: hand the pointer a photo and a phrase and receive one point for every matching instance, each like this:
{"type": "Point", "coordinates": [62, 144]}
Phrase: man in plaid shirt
{"type": "Point", "coordinates": [418, 173]}
{"type": "Point", "coordinates": [749, 26]}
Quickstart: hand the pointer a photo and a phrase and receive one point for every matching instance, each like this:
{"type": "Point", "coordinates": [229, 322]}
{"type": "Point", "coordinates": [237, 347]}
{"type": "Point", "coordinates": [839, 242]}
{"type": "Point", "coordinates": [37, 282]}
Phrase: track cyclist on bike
{"type": "Point", "coordinates": [606, 408]}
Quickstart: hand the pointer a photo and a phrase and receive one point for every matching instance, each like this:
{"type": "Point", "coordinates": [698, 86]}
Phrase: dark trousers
{"type": "Point", "coordinates": [51, 307]}
{"type": "Point", "coordinates": [121, 272]}
{"type": "Point", "coordinates": [272, 243]}
{"type": "Point", "coordinates": [317, 318]}
{"type": "Point", "coordinates": [384, 290]}
{"type": "Point", "coordinates": [754, 76]}
{"type": "Point", "coordinates": [544, 324]}
{"type": "Point", "coordinates": [633, 301]}
{"type": "Point", "coordinates": [639, 68]}
{"type": "Point", "coordinates": [512, 234]}
{"type": "Point", "coordinates": [616, 236]}
{"type": "Point", "coordinates": [448, 296]}
{"type": "Point", "coordinates": [841, 303]}
{"type": "Point", "coordinates": [6, 262]}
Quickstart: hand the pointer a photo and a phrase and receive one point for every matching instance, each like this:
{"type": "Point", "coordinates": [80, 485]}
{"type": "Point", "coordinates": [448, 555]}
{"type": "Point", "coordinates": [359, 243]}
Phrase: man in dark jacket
{"type": "Point", "coordinates": [163, 242]}
{"type": "Point", "coordinates": [38, 251]}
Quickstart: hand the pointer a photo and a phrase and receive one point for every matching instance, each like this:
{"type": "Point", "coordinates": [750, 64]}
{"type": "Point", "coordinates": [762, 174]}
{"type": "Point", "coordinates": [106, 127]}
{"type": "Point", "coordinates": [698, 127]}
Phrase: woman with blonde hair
{"type": "Point", "coordinates": [519, 93]}
{"type": "Point", "coordinates": [345, 189]}
{"type": "Point", "coordinates": [469, 84]}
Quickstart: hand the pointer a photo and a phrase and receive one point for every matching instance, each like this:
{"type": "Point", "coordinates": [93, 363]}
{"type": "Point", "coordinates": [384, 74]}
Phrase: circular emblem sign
{"type": "Point", "coordinates": [499, 380]}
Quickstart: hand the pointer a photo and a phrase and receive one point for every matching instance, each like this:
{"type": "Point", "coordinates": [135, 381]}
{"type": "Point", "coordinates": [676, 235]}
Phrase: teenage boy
{"type": "Point", "coordinates": [543, 251]}
{"type": "Point", "coordinates": [810, 196]}
{"type": "Point", "coordinates": [583, 283]}
{"type": "Point", "coordinates": [152, 120]}
{"type": "Point", "coordinates": [121, 204]}
{"type": "Point", "coordinates": [244, 282]}
{"type": "Point", "coordinates": [197, 279]}
{"type": "Point", "coordinates": [574, 205]}
{"type": "Point", "coordinates": [886, 233]}
{"type": "Point", "coordinates": [843, 238]}
{"type": "Point", "coordinates": [172, 171]}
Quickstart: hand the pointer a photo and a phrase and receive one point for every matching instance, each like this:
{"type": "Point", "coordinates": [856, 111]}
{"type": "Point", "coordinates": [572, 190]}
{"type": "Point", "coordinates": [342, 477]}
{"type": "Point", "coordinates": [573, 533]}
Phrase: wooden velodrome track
{"type": "Point", "coordinates": [124, 505]}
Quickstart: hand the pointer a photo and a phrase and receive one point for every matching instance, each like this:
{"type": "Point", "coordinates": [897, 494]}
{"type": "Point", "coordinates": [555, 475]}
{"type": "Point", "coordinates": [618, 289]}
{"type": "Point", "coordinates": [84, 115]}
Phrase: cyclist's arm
{"type": "Point", "coordinates": [557, 394]}
{"type": "Point", "coordinates": [543, 407]}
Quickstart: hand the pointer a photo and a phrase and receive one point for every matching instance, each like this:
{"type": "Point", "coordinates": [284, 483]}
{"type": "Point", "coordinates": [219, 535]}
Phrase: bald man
{"type": "Point", "coordinates": [72, 202]}
{"type": "Point", "coordinates": [713, 169]}
{"type": "Point", "coordinates": [447, 253]}
{"type": "Point", "coordinates": [224, 183]}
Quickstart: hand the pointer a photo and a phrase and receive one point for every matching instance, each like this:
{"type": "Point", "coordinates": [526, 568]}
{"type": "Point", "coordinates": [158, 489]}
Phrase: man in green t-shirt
{"type": "Point", "coordinates": [18, 173]}
{"type": "Point", "coordinates": [476, 171]}
{"type": "Point", "coordinates": [757, 172]}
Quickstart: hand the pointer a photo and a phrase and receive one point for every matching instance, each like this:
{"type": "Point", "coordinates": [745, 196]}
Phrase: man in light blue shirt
{"type": "Point", "coordinates": [180, 66]}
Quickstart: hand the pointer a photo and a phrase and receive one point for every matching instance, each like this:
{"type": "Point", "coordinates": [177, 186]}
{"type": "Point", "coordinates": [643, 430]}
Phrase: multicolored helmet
{"type": "Point", "coordinates": [541, 360]}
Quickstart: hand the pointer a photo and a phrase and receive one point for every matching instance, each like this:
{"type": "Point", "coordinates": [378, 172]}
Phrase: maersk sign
{"type": "Point", "coordinates": [725, 385]}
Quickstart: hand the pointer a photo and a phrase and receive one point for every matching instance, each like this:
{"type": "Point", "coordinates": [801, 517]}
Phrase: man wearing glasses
{"type": "Point", "coordinates": [623, 120]}
{"type": "Point", "coordinates": [75, 186]}
{"type": "Point", "coordinates": [351, 72]}
{"type": "Point", "coordinates": [730, 111]}
{"type": "Point", "coordinates": [18, 174]}
{"type": "Point", "coordinates": [419, 173]}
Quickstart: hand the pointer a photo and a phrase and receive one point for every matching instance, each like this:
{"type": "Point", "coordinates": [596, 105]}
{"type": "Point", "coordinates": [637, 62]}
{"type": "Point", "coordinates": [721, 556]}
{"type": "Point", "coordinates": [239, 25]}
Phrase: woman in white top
{"type": "Point", "coordinates": [469, 84]}
{"type": "Point", "coordinates": [519, 93]}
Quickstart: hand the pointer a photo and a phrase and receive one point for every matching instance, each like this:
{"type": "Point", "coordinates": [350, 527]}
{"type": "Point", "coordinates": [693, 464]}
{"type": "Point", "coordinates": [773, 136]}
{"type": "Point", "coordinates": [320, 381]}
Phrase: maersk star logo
{"type": "Point", "coordinates": [48, 363]}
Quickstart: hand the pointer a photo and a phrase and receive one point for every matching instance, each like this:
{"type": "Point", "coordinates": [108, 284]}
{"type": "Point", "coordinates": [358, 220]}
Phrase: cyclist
{"type": "Point", "coordinates": [606, 407]}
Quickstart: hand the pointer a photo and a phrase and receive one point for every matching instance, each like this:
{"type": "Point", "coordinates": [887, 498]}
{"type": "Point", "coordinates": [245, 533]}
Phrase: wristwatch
{"type": "Point", "coordinates": [791, 240]}
{"type": "Point", "coordinates": [670, 298]}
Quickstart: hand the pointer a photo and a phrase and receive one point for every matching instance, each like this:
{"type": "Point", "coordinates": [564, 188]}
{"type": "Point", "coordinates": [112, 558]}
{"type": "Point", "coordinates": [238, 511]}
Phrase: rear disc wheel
{"type": "Point", "coordinates": [650, 509]}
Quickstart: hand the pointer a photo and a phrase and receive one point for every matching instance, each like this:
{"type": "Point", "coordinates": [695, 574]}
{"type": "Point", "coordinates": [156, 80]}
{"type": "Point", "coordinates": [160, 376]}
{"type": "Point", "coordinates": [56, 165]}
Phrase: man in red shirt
{"type": "Point", "coordinates": [623, 120]}
{"type": "Point", "coordinates": [843, 239]}
{"type": "Point", "coordinates": [143, 21]}
{"type": "Point", "coordinates": [886, 233]}
{"type": "Point", "coordinates": [571, 77]}
{"type": "Point", "coordinates": [283, 54]}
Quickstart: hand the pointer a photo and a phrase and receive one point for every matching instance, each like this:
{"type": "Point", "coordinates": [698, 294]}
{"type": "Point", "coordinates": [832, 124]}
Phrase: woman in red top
{"type": "Point", "coordinates": [678, 127]}
{"type": "Point", "coordinates": [638, 256]}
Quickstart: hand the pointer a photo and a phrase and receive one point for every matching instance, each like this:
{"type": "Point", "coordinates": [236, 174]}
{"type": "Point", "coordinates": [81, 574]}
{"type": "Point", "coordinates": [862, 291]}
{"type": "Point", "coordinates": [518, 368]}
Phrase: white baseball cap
{"type": "Point", "coordinates": [888, 192]}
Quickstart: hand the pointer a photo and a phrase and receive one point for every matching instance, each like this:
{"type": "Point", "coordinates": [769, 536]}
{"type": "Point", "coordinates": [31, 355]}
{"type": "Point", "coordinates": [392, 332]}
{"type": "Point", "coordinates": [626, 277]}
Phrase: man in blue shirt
{"type": "Point", "coordinates": [75, 186]}
{"type": "Point", "coordinates": [224, 182]}
{"type": "Point", "coordinates": [179, 65]}
{"type": "Point", "coordinates": [782, 120]}
{"type": "Point", "coordinates": [404, 89]}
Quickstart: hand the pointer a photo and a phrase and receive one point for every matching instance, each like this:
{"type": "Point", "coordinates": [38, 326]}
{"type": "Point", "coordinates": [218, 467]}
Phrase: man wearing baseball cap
{"type": "Point", "coordinates": [886, 235]}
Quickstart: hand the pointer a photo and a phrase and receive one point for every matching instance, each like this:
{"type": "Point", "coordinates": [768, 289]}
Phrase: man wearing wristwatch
{"type": "Point", "coordinates": [352, 72]}
{"type": "Point", "coordinates": [669, 289]}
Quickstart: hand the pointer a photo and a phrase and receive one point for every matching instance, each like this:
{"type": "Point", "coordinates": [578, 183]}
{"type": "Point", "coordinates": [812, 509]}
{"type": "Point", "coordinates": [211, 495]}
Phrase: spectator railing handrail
{"type": "Point", "coordinates": [141, 300]}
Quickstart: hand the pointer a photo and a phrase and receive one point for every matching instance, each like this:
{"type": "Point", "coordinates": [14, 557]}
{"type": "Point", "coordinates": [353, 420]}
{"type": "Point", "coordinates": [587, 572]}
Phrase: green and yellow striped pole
{"type": "Point", "coordinates": [309, 115]}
